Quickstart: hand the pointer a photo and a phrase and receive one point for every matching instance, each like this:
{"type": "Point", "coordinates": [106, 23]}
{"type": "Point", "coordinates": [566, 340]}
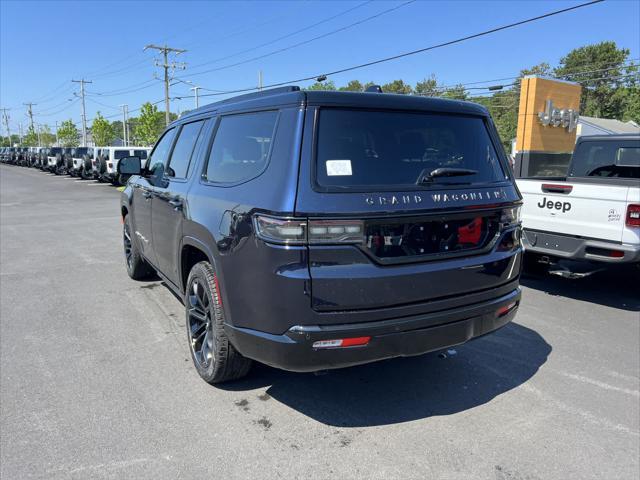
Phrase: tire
{"type": "Point", "coordinates": [123, 179]}
{"type": "Point", "coordinates": [137, 267]}
{"type": "Point", "coordinates": [215, 359]}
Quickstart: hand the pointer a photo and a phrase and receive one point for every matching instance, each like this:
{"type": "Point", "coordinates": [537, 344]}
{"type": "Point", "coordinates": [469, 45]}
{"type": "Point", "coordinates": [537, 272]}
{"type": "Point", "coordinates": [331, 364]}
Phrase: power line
{"type": "Point", "coordinates": [71, 104]}
{"type": "Point", "coordinates": [92, 100]}
{"type": "Point", "coordinates": [129, 89]}
{"type": "Point", "coordinates": [631, 60]}
{"type": "Point", "coordinates": [284, 49]}
{"type": "Point", "coordinates": [256, 47]}
{"type": "Point", "coordinates": [412, 52]}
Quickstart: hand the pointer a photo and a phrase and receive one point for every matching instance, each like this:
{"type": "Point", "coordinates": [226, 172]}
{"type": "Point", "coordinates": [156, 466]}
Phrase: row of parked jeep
{"type": "Point", "coordinates": [97, 163]}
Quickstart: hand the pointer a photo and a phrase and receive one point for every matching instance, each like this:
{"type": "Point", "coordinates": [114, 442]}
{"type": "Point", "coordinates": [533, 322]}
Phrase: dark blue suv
{"type": "Point", "coordinates": [315, 230]}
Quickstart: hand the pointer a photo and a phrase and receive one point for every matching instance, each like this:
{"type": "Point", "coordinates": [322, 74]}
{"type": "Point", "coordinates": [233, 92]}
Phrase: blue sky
{"type": "Point", "coordinates": [43, 45]}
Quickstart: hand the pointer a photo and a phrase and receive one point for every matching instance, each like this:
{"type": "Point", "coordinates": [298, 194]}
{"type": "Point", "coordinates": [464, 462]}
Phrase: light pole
{"type": "Point", "coordinates": [195, 91]}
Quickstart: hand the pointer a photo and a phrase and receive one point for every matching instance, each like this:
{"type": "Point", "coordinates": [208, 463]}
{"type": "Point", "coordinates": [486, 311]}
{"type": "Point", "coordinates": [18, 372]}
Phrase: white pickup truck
{"type": "Point", "coordinates": [591, 215]}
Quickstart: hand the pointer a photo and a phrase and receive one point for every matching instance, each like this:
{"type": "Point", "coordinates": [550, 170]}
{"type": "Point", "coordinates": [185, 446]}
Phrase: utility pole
{"type": "Point", "coordinates": [20, 130]}
{"type": "Point", "coordinates": [128, 130]}
{"type": "Point", "coordinates": [30, 112]}
{"type": "Point", "coordinates": [125, 140]}
{"type": "Point", "coordinates": [195, 90]}
{"type": "Point", "coordinates": [84, 115]}
{"type": "Point", "coordinates": [260, 80]}
{"type": "Point", "coordinates": [6, 123]}
{"type": "Point", "coordinates": [57, 139]}
{"type": "Point", "coordinates": [39, 138]}
{"type": "Point", "coordinates": [166, 65]}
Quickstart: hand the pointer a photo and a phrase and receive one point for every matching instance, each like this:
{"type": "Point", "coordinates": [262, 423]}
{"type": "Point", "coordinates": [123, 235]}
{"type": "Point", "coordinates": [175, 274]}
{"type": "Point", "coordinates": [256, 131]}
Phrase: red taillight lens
{"type": "Point", "coordinates": [506, 309]}
{"type": "Point", "coordinates": [633, 216]}
{"type": "Point", "coordinates": [342, 342]}
{"type": "Point", "coordinates": [616, 254]}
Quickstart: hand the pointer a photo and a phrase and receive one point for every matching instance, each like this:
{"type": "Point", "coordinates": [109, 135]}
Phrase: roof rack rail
{"type": "Point", "coordinates": [259, 94]}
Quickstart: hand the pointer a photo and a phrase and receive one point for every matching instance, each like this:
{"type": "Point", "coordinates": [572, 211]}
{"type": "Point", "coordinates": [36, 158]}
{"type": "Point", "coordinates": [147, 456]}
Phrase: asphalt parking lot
{"type": "Point", "coordinates": [96, 379]}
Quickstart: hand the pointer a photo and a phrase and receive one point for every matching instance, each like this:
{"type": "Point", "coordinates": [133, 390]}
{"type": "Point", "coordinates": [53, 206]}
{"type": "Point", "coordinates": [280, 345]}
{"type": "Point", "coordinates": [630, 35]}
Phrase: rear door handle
{"type": "Point", "coordinates": [176, 204]}
{"type": "Point", "coordinates": [146, 194]}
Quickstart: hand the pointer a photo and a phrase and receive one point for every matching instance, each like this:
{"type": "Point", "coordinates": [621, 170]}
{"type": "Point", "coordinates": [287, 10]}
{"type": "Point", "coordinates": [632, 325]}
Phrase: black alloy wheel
{"type": "Point", "coordinates": [200, 332]}
{"type": "Point", "coordinates": [215, 358]}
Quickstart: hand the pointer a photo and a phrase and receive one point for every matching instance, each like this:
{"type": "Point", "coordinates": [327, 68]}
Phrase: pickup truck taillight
{"type": "Point", "coordinates": [633, 216]}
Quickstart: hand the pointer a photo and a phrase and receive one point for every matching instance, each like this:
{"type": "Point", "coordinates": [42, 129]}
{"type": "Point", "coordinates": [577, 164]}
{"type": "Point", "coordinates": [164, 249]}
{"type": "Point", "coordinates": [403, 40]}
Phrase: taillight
{"type": "Point", "coordinates": [633, 216]}
{"type": "Point", "coordinates": [299, 231]}
{"type": "Point", "coordinates": [510, 216]}
{"type": "Point", "coordinates": [336, 231]}
{"type": "Point", "coordinates": [110, 165]}
{"type": "Point", "coordinates": [281, 230]}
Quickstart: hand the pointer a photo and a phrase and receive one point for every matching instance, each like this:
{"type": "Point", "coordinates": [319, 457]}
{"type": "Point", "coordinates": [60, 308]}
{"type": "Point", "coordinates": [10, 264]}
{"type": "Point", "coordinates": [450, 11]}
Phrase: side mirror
{"type": "Point", "coordinates": [129, 166]}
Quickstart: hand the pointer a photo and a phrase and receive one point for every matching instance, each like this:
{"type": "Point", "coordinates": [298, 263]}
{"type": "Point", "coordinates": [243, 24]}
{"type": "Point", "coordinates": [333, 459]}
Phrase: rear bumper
{"type": "Point", "coordinates": [399, 337]}
{"type": "Point", "coordinates": [575, 248]}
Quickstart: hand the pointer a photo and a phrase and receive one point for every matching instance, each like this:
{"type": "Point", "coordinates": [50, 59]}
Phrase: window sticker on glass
{"type": "Point", "coordinates": [338, 168]}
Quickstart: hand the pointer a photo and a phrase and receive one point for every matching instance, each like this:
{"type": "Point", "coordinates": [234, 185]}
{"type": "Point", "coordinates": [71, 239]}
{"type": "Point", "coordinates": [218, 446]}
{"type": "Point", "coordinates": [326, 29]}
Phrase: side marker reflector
{"type": "Point", "coordinates": [506, 309]}
{"type": "Point", "coordinates": [342, 342]}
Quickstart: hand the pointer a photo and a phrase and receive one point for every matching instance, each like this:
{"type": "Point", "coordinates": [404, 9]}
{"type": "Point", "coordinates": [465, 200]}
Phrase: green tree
{"type": "Point", "coordinates": [31, 138]}
{"type": "Point", "coordinates": [600, 69]}
{"type": "Point", "coordinates": [457, 93]}
{"type": "Point", "coordinates": [149, 125]}
{"type": "Point", "coordinates": [46, 137]}
{"type": "Point", "coordinates": [397, 86]}
{"type": "Point", "coordinates": [102, 131]}
{"type": "Point", "coordinates": [352, 86]}
{"type": "Point", "coordinates": [428, 87]}
{"type": "Point", "coordinates": [326, 85]}
{"type": "Point", "coordinates": [68, 134]}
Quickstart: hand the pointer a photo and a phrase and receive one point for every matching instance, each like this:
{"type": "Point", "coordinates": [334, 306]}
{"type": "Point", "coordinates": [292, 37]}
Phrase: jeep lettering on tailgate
{"type": "Point", "coordinates": [551, 205]}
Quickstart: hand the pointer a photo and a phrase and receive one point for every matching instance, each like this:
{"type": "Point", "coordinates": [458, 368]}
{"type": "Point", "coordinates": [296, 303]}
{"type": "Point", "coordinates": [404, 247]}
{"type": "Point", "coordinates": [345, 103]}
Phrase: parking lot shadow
{"type": "Point", "coordinates": [617, 288]}
{"type": "Point", "coordinates": [406, 389]}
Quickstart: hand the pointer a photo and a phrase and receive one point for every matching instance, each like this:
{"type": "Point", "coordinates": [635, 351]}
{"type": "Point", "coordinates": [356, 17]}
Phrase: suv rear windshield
{"type": "Point", "coordinates": [118, 154]}
{"type": "Point", "coordinates": [367, 150]}
{"type": "Point", "coordinates": [78, 152]}
{"type": "Point", "coordinates": [620, 158]}
{"type": "Point", "coordinates": [55, 150]}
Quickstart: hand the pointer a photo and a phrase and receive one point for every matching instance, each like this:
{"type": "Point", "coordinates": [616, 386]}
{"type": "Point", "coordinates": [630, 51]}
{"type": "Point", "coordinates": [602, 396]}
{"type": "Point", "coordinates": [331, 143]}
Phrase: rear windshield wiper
{"type": "Point", "coordinates": [425, 177]}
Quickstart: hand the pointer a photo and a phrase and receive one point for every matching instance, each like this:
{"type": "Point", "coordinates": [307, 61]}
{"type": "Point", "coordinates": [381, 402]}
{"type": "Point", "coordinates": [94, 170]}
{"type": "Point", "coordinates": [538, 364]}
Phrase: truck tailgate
{"type": "Point", "coordinates": [582, 209]}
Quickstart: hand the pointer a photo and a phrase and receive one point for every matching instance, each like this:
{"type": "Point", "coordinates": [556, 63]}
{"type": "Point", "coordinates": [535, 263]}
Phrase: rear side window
{"type": "Point", "coordinates": [141, 154]}
{"type": "Point", "coordinates": [620, 158]}
{"type": "Point", "coordinates": [241, 147]}
{"type": "Point", "coordinates": [118, 154]}
{"type": "Point", "coordinates": [185, 144]}
{"type": "Point", "coordinates": [368, 150]}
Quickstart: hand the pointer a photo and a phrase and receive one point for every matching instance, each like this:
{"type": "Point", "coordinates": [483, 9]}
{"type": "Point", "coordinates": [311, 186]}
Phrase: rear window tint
{"type": "Point", "coordinates": [366, 150]}
{"type": "Point", "coordinates": [141, 154]}
{"type": "Point", "coordinates": [619, 159]}
{"type": "Point", "coordinates": [118, 154]}
{"type": "Point", "coordinates": [241, 147]}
